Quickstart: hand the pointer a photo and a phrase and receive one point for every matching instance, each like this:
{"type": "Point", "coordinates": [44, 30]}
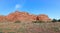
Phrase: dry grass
{"type": "Point", "coordinates": [30, 27]}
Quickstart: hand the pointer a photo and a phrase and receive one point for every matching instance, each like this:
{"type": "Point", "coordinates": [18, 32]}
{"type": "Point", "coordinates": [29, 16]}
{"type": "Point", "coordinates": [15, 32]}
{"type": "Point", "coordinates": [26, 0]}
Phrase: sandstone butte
{"type": "Point", "coordinates": [23, 16]}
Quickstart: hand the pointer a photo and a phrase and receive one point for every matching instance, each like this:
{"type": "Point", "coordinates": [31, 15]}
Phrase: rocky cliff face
{"type": "Point", "coordinates": [2, 19]}
{"type": "Point", "coordinates": [43, 17]}
{"type": "Point", "coordinates": [24, 16]}
{"type": "Point", "coordinates": [21, 16]}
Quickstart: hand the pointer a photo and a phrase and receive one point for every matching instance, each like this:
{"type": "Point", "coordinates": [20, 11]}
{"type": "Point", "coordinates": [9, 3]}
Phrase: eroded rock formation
{"type": "Point", "coordinates": [43, 17]}
{"type": "Point", "coordinates": [24, 16]}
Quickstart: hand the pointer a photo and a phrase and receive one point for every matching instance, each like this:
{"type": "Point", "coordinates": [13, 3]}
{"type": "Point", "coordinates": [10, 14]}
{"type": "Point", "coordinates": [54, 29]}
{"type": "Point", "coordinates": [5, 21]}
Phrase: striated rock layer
{"type": "Point", "coordinates": [24, 16]}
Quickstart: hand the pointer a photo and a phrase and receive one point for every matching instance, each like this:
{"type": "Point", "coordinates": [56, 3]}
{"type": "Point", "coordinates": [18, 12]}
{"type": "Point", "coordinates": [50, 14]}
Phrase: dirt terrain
{"type": "Point", "coordinates": [9, 27]}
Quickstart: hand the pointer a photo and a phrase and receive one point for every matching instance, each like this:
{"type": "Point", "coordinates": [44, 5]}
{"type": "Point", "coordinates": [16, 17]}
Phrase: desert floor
{"type": "Point", "coordinates": [30, 27]}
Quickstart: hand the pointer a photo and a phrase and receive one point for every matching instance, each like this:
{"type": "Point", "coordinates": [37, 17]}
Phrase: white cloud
{"type": "Point", "coordinates": [17, 6]}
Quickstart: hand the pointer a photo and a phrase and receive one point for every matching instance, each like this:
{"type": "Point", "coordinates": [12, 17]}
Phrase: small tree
{"type": "Point", "coordinates": [54, 20]}
{"type": "Point", "coordinates": [59, 20]}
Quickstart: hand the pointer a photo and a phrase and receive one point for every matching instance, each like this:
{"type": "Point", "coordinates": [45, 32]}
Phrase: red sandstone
{"type": "Point", "coordinates": [24, 16]}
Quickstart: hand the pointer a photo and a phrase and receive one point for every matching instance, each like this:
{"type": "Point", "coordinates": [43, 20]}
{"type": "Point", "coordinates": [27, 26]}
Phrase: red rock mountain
{"type": "Point", "coordinates": [24, 16]}
{"type": "Point", "coordinates": [44, 17]}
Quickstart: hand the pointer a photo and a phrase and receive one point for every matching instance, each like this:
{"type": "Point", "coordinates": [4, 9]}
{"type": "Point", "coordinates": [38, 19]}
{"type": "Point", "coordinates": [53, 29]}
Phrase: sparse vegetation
{"type": "Point", "coordinates": [1, 29]}
{"type": "Point", "coordinates": [17, 21]}
{"type": "Point", "coordinates": [56, 29]}
{"type": "Point", "coordinates": [11, 32]}
{"type": "Point", "coordinates": [38, 21]}
{"type": "Point", "coordinates": [1, 32]}
{"type": "Point", "coordinates": [30, 28]}
{"type": "Point", "coordinates": [8, 29]}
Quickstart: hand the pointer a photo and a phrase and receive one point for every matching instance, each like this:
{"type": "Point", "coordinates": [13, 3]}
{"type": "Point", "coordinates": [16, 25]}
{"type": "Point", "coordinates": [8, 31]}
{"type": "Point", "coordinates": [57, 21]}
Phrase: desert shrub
{"type": "Point", "coordinates": [56, 29]}
{"type": "Point", "coordinates": [17, 21]}
{"type": "Point", "coordinates": [38, 21]}
{"type": "Point", "coordinates": [1, 32]}
{"type": "Point", "coordinates": [54, 20]}
{"type": "Point", "coordinates": [21, 30]}
{"type": "Point", "coordinates": [1, 29]}
{"type": "Point", "coordinates": [59, 20]}
{"type": "Point", "coordinates": [11, 32]}
{"type": "Point", "coordinates": [7, 28]}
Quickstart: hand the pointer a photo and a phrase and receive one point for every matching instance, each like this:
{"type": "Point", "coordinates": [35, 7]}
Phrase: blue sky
{"type": "Point", "coordinates": [49, 7]}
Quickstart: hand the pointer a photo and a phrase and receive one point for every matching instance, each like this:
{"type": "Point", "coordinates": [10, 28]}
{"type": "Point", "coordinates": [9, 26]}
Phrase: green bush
{"type": "Point", "coordinates": [54, 20]}
{"type": "Point", "coordinates": [59, 20]}
{"type": "Point", "coordinates": [38, 21]}
{"type": "Point", "coordinates": [17, 21]}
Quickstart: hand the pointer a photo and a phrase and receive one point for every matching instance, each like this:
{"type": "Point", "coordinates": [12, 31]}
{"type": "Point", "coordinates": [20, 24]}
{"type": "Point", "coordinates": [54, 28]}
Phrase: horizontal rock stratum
{"type": "Point", "coordinates": [23, 16]}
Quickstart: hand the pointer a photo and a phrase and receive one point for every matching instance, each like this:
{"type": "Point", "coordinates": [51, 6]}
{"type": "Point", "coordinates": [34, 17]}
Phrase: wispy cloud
{"type": "Point", "coordinates": [17, 6]}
